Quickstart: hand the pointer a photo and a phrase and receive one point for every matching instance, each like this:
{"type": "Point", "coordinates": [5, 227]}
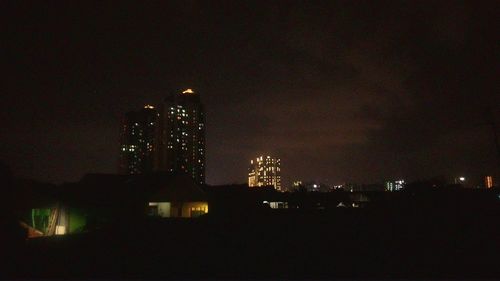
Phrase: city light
{"type": "Point", "coordinates": [396, 185]}
{"type": "Point", "coordinates": [488, 181]}
{"type": "Point", "coordinates": [264, 172]}
{"type": "Point", "coordinates": [385, 115]}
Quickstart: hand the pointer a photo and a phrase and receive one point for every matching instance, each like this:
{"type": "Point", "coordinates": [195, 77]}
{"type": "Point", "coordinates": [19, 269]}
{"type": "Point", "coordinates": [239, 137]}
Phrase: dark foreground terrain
{"type": "Point", "coordinates": [417, 241]}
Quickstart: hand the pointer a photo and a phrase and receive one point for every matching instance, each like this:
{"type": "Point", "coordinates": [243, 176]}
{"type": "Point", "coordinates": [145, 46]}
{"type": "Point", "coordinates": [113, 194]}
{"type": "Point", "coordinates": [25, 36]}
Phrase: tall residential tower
{"type": "Point", "coordinates": [138, 138]}
{"type": "Point", "coordinates": [265, 171]}
{"type": "Point", "coordinates": [181, 135]}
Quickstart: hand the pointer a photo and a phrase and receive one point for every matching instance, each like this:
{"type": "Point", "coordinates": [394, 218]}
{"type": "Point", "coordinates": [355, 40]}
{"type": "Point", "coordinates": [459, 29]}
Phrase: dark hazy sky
{"type": "Point", "coordinates": [340, 91]}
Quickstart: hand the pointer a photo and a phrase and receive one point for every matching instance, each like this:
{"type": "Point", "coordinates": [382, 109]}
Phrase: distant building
{"type": "Point", "coordinates": [339, 187]}
{"type": "Point", "coordinates": [137, 145]}
{"type": "Point", "coordinates": [488, 182]}
{"type": "Point", "coordinates": [318, 187]}
{"type": "Point", "coordinates": [312, 186]}
{"type": "Point", "coordinates": [347, 186]}
{"type": "Point", "coordinates": [459, 180]}
{"type": "Point", "coordinates": [265, 171]}
{"type": "Point", "coordinates": [181, 135]}
{"type": "Point", "coordinates": [396, 185]}
{"type": "Point", "coordinates": [296, 185]}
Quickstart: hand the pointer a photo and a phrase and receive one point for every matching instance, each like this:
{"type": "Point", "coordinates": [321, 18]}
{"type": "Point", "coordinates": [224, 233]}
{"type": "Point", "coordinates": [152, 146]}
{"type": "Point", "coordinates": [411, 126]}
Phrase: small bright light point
{"type": "Point", "coordinates": [149, 106]}
{"type": "Point", "coordinates": [462, 179]}
{"type": "Point", "coordinates": [188, 91]}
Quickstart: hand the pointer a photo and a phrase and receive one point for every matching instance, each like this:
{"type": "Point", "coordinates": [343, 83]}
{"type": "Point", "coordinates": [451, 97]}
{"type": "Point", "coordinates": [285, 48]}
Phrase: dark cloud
{"type": "Point", "coordinates": [341, 91]}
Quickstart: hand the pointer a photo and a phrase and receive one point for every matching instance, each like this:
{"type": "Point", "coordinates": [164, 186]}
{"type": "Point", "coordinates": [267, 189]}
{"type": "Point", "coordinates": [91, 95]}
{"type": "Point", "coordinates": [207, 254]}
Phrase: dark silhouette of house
{"type": "Point", "coordinates": [100, 199]}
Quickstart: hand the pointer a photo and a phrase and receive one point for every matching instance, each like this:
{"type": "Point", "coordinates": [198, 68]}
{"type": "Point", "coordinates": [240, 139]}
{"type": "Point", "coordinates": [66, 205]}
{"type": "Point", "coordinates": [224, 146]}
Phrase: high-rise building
{"type": "Point", "coordinates": [396, 185]}
{"type": "Point", "coordinates": [488, 181]}
{"type": "Point", "coordinates": [265, 171]}
{"type": "Point", "coordinates": [137, 146]}
{"type": "Point", "coordinates": [181, 135]}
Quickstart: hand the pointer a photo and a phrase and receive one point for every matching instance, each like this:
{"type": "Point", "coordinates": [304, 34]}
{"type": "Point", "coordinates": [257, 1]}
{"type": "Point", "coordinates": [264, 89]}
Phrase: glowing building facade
{"type": "Point", "coordinates": [265, 171]}
{"type": "Point", "coordinates": [488, 182]}
{"type": "Point", "coordinates": [181, 135]}
{"type": "Point", "coordinates": [396, 185]}
{"type": "Point", "coordinates": [137, 146]}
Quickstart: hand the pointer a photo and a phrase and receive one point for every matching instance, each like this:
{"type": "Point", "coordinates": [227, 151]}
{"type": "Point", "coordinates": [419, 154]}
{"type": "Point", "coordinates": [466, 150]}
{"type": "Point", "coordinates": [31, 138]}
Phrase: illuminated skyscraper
{"type": "Point", "coordinates": [488, 181]}
{"type": "Point", "coordinates": [137, 145]}
{"type": "Point", "coordinates": [181, 135]}
{"type": "Point", "coordinates": [396, 185]}
{"type": "Point", "coordinates": [265, 171]}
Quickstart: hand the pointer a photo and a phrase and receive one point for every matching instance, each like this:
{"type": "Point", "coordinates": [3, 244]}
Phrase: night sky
{"type": "Point", "coordinates": [356, 91]}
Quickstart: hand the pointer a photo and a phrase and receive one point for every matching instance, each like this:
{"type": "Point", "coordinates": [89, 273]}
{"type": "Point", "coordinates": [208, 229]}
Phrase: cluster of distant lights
{"type": "Point", "coordinates": [398, 183]}
{"type": "Point", "coordinates": [266, 172]}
